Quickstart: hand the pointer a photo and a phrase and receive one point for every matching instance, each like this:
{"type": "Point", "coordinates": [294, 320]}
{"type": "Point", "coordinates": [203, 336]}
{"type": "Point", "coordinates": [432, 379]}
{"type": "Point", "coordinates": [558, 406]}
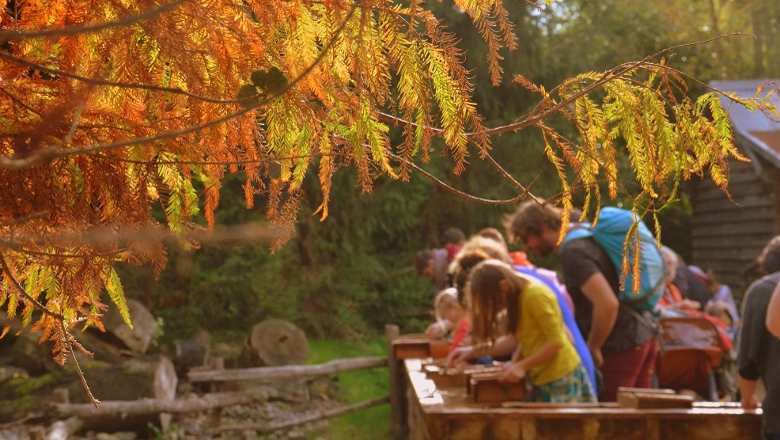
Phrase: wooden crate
{"type": "Point", "coordinates": [445, 377]}
{"type": "Point", "coordinates": [411, 349]}
{"type": "Point", "coordinates": [485, 388]}
{"type": "Point", "coordinates": [643, 398]}
{"type": "Point", "coordinates": [419, 348]}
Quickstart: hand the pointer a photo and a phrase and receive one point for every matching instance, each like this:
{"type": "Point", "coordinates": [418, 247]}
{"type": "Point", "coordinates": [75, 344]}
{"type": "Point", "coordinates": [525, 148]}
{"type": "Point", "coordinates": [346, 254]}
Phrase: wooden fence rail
{"type": "Point", "coordinates": [267, 428]}
{"type": "Point", "coordinates": [288, 372]}
{"type": "Point", "coordinates": [81, 415]}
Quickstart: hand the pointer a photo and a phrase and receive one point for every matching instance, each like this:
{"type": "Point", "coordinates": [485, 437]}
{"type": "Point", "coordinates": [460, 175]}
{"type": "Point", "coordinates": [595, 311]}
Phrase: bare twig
{"type": "Point", "coordinates": [92, 399]}
{"type": "Point", "coordinates": [458, 192]}
{"type": "Point", "coordinates": [19, 101]}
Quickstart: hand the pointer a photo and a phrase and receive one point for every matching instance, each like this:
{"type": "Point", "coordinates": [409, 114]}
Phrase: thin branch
{"type": "Point", "coordinates": [525, 190]}
{"type": "Point", "coordinates": [78, 368]}
{"type": "Point", "coordinates": [103, 82]}
{"type": "Point", "coordinates": [26, 296]}
{"type": "Point", "coordinates": [71, 131]}
{"type": "Point", "coordinates": [19, 101]}
{"type": "Point", "coordinates": [19, 221]}
{"type": "Point", "coordinates": [217, 162]}
{"type": "Point", "coordinates": [76, 30]}
{"type": "Point", "coordinates": [458, 192]}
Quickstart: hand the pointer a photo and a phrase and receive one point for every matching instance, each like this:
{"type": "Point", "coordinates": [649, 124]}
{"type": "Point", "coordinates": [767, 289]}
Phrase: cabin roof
{"type": "Point", "coordinates": [761, 132]}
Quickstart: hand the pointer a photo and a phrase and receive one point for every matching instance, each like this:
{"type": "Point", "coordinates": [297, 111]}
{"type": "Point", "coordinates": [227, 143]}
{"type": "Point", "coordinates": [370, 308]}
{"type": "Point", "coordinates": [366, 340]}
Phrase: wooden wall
{"type": "Point", "coordinates": [729, 234]}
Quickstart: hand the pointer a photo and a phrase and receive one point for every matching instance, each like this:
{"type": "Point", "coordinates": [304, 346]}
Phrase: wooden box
{"type": "Point", "coordinates": [439, 349]}
{"type": "Point", "coordinates": [408, 348]}
{"type": "Point", "coordinates": [411, 349]}
{"type": "Point", "coordinates": [494, 370]}
{"type": "Point", "coordinates": [644, 398]}
{"type": "Point", "coordinates": [448, 377]}
{"type": "Point", "coordinates": [485, 388]}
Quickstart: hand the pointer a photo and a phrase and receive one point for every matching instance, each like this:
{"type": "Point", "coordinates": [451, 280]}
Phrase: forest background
{"type": "Point", "coordinates": [347, 276]}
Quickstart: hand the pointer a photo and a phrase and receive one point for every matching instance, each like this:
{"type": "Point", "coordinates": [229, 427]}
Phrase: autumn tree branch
{"type": "Point", "coordinates": [23, 293]}
{"type": "Point", "coordinates": [47, 155]}
{"type": "Point", "coordinates": [79, 30]}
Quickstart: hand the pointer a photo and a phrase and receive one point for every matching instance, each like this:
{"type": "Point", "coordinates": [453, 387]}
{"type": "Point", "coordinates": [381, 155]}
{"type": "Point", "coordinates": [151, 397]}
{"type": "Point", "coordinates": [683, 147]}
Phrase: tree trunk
{"type": "Point", "coordinates": [274, 343]}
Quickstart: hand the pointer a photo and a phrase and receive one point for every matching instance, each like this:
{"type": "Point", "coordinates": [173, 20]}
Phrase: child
{"type": "Point", "coordinates": [723, 311]}
{"type": "Point", "coordinates": [449, 308]}
{"type": "Point", "coordinates": [534, 318]}
{"type": "Point", "coordinates": [444, 301]}
{"type": "Point", "coordinates": [721, 293]}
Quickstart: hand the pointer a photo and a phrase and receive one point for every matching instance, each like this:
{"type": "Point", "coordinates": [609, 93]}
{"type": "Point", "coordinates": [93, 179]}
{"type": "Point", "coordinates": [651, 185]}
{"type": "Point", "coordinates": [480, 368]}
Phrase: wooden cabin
{"type": "Point", "coordinates": [728, 235]}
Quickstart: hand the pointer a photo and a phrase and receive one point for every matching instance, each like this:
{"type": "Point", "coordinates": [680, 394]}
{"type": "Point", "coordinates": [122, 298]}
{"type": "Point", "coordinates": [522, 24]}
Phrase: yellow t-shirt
{"type": "Point", "coordinates": [541, 322]}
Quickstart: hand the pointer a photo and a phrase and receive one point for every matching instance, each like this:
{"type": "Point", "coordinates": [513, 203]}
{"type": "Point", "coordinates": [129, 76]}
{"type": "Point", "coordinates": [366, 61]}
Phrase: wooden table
{"type": "Point", "coordinates": [449, 413]}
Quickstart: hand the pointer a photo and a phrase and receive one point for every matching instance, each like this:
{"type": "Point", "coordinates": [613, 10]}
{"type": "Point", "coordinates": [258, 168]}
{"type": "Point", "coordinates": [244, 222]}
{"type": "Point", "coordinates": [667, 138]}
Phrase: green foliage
{"type": "Point", "coordinates": [345, 277]}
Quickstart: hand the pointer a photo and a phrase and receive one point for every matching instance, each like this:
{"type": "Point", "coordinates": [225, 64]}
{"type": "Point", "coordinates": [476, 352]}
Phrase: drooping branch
{"type": "Point", "coordinates": [23, 293]}
{"type": "Point", "coordinates": [104, 82]}
{"type": "Point", "coordinates": [80, 30]}
{"type": "Point", "coordinates": [46, 155]}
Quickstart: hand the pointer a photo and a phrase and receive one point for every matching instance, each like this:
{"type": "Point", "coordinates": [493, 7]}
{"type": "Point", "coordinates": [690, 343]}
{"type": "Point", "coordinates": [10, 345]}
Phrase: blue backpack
{"type": "Point", "coordinates": [610, 233]}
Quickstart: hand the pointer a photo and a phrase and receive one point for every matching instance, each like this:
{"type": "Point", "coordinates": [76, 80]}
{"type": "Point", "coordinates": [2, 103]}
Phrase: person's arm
{"type": "Point", "coordinates": [747, 389]}
{"type": "Point", "coordinates": [438, 329]}
{"type": "Point", "coordinates": [516, 371]}
{"type": "Point", "coordinates": [773, 313]}
{"type": "Point", "coordinates": [504, 346]}
{"type": "Point", "coordinates": [605, 311]}
{"type": "Point", "coordinates": [749, 348]}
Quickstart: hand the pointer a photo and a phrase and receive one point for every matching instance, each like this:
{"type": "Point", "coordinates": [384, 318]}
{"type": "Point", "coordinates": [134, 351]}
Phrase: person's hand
{"type": "Point", "coordinates": [435, 330]}
{"type": "Point", "coordinates": [598, 358]}
{"type": "Point", "coordinates": [513, 372]}
{"type": "Point", "coordinates": [749, 402]}
{"type": "Point", "coordinates": [459, 356]}
{"type": "Point", "coordinates": [688, 304]}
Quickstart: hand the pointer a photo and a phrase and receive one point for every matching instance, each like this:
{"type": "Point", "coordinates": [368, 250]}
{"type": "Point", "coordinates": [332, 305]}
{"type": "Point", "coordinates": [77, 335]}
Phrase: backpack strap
{"type": "Point", "coordinates": [643, 319]}
{"type": "Point", "coordinates": [577, 230]}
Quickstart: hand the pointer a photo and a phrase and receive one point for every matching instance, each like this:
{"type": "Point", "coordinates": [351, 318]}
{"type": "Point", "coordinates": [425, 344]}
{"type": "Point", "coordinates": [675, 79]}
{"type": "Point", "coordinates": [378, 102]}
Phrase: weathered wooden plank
{"type": "Point", "coordinates": [288, 372]}
{"type": "Point", "coordinates": [154, 406]}
{"type": "Point", "coordinates": [762, 228]}
{"type": "Point", "coordinates": [397, 385]}
{"type": "Point", "coordinates": [737, 216]}
{"type": "Point", "coordinates": [736, 192]}
{"type": "Point", "coordinates": [733, 246]}
{"type": "Point", "coordinates": [704, 207]}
